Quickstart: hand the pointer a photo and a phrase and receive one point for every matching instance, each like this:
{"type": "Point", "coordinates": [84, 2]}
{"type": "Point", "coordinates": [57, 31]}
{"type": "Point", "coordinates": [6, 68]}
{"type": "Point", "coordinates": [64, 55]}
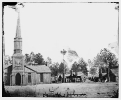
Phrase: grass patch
{"type": "Point", "coordinates": [18, 93]}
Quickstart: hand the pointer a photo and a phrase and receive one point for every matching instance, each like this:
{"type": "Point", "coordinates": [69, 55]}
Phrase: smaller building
{"type": "Point", "coordinates": [75, 77]}
{"type": "Point", "coordinates": [114, 75]}
{"type": "Point", "coordinates": [7, 70]}
{"type": "Point", "coordinates": [32, 74]}
{"type": "Point", "coordinates": [38, 74]}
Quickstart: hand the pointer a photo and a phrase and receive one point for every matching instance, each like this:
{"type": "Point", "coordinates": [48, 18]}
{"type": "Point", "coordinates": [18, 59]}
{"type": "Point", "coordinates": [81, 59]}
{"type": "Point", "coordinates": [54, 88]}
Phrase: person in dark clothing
{"type": "Point", "coordinates": [60, 79]}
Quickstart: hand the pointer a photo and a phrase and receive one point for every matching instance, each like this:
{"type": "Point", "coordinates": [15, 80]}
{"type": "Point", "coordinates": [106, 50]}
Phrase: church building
{"type": "Point", "coordinates": [19, 73]}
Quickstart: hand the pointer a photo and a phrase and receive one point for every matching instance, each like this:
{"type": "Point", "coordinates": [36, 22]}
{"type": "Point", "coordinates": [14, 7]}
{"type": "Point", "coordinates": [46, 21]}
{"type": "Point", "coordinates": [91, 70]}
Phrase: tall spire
{"type": "Point", "coordinates": [18, 29]}
{"type": "Point", "coordinates": [18, 39]}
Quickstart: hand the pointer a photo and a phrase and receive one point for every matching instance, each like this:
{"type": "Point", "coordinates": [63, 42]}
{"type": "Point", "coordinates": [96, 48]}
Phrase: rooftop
{"type": "Point", "coordinates": [38, 68]}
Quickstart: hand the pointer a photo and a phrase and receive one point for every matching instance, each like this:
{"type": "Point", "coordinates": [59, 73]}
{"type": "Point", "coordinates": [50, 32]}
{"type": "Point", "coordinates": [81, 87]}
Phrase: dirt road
{"type": "Point", "coordinates": [87, 90]}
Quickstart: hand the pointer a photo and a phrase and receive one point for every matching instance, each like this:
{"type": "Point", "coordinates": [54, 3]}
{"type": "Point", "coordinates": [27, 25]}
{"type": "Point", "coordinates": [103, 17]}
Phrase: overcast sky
{"type": "Point", "coordinates": [47, 28]}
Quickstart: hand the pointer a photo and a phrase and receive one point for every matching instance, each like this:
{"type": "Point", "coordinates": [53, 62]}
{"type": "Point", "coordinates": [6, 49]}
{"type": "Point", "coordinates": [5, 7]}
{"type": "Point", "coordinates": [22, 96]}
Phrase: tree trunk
{"type": "Point", "coordinates": [108, 74]}
{"type": "Point", "coordinates": [101, 74]}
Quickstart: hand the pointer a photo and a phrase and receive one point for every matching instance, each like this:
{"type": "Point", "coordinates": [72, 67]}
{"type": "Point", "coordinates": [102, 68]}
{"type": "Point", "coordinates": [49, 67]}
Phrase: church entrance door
{"type": "Point", "coordinates": [18, 79]}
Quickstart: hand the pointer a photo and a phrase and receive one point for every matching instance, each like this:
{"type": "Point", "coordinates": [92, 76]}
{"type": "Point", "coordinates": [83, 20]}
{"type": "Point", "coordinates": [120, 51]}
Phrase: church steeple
{"type": "Point", "coordinates": [17, 58]}
{"type": "Point", "coordinates": [18, 29]}
{"type": "Point", "coordinates": [18, 39]}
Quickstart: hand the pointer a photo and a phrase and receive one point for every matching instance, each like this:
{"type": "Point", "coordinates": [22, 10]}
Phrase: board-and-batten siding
{"type": "Point", "coordinates": [33, 80]}
{"type": "Point", "coordinates": [35, 77]}
{"type": "Point", "coordinates": [47, 78]}
{"type": "Point", "coordinates": [26, 78]}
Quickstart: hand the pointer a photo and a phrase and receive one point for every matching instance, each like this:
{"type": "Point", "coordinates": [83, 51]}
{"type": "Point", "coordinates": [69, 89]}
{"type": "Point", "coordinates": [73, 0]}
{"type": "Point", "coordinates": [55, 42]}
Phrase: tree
{"type": "Point", "coordinates": [32, 56]}
{"type": "Point", "coordinates": [75, 67]}
{"type": "Point", "coordinates": [61, 67]}
{"type": "Point", "coordinates": [49, 61]}
{"type": "Point", "coordinates": [38, 59]}
{"type": "Point", "coordinates": [27, 58]}
{"type": "Point", "coordinates": [90, 63]}
{"type": "Point", "coordinates": [34, 59]}
{"type": "Point", "coordinates": [80, 66]}
{"type": "Point", "coordinates": [10, 60]}
{"type": "Point", "coordinates": [106, 59]}
{"type": "Point", "coordinates": [93, 71]}
{"type": "Point", "coordinates": [54, 69]}
{"type": "Point", "coordinates": [7, 60]}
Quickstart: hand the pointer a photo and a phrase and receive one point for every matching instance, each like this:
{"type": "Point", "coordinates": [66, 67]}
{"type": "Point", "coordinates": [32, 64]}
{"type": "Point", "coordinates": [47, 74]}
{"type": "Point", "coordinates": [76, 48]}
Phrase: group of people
{"type": "Point", "coordinates": [68, 79]}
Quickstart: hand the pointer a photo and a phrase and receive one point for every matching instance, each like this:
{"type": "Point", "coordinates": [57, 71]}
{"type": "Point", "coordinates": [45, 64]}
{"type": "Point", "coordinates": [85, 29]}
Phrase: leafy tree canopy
{"type": "Point", "coordinates": [61, 67]}
{"type": "Point", "coordinates": [106, 59]}
{"type": "Point", "coordinates": [54, 69]}
{"type": "Point", "coordinates": [34, 59]}
{"type": "Point", "coordinates": [80, 66]}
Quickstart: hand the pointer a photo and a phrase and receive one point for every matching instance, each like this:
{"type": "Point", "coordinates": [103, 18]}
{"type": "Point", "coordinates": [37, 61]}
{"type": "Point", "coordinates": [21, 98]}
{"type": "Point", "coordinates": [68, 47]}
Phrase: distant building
{"type": "Point", "coordinates": [114, 75]}
{"type": "Point", "coordinates": [18, 73]}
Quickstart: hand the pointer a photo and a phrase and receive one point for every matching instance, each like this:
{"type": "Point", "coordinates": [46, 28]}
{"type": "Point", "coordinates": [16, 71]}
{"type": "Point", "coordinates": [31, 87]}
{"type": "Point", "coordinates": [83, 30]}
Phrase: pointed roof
{"type": "Point", "coordinates": [38, 68]}
{"type": "Point", "coordinates": [115, 71]}
{"type": "Point", "coordinates": [18, 29]}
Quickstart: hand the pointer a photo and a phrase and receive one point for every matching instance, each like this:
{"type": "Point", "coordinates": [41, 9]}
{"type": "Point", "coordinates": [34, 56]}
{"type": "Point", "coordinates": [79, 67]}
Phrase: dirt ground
{"type": "Point", "coordinates": [86, 90]}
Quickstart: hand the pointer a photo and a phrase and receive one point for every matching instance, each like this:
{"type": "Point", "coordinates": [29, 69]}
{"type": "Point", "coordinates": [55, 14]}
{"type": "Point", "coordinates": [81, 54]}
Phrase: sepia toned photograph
{"type": "Point", "coordinates": [60, 49]}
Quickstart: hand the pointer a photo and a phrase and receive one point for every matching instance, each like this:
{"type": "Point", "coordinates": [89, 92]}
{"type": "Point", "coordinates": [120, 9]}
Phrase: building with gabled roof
{"type": "Point", "coordinates": [19, 73]}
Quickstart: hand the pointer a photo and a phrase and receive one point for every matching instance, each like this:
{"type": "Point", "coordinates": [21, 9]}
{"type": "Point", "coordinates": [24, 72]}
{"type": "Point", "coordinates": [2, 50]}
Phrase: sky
{"type": "Point", "coordinates": [48, 28]}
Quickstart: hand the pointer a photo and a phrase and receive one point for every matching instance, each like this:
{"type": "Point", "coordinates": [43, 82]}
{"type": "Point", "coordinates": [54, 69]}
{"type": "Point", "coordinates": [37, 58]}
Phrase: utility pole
{"type": "Point", "coordinates": [63, 52]}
